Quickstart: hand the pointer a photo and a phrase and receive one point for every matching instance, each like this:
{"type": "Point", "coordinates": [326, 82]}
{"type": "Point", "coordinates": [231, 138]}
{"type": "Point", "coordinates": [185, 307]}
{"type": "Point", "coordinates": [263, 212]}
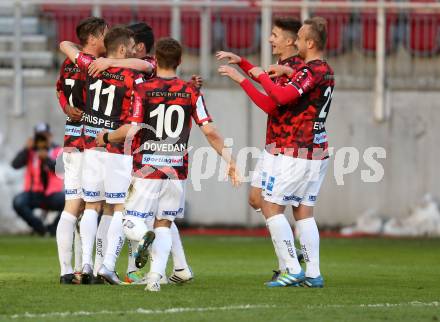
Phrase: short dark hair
{"type": "Point", "coordinates": [143, 33]}
{"type": "Point", "coordinates": [168, 53]}
{"type": "Point", "coordinates": [90, 26]}
{"type": "Point", "coordinates": [288, 24]}
{"type": "Point", "coordinates": [318, 31]}
{"type": "Point", "coordinates": [116, 36]}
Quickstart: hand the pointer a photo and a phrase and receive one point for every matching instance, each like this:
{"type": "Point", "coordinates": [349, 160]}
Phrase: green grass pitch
{"type": "Point", "coordinates": [366, 279]}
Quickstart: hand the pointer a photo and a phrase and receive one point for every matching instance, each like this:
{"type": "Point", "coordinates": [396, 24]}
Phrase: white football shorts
{"type": "Point", "coordinates": [156, 198]}
{"type": "Point", "coordinates": [293, 181]}
{"type": "Point", "coordinates": [106, 176]}
{"type": "Point", "coordinates": [72, 174]}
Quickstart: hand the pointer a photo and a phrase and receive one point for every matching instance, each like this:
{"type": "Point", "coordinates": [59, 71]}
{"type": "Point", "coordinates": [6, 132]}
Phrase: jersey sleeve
{"type": "Point", "coordinates": [263, 101]}
{"type": "Point", "coordinates": [200, 113]}
{"type": "Point", "coordinates": [83, 61]}
{"type": "Point", "coordinates": [301, 83]}
{"type": "Point", "coordinates": [246, 66]}
{"type": "Point", "coordinates": [304, 80]}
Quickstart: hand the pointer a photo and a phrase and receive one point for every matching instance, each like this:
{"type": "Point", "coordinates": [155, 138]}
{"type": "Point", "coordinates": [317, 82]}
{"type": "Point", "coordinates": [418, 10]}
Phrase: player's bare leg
{"type": "Point", "coordinates": [283, 240]}
{"type": "Point", "coordinates": [255, 198]}
{"type": "Point", "coordinates": [88, 228]}
{"type": "Point", "coordinates": [308, 235]}
{"type": "Point", "coordinates": [64, 237]}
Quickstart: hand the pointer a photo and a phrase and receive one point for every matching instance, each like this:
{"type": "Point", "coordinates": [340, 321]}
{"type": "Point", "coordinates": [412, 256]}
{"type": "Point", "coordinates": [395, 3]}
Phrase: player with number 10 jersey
{"type": "Point", "coordinates": [166, 107]}
{"type": "Point", "coordinates": [163, 110]}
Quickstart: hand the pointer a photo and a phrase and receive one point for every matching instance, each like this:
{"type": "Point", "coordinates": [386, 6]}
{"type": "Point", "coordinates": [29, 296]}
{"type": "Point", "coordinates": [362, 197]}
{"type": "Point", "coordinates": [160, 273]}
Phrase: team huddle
{"type": "Point", "coordinates": [126, 138]}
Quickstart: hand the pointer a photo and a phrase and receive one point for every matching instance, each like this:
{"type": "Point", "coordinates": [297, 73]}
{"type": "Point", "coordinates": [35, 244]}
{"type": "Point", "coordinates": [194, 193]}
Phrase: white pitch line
{"type": "Point", "coordinates": [374, 305]}
{"type": "Point", "coordinates": [142, 311]}
{"type": "Point", "coordinates": [218, 308]}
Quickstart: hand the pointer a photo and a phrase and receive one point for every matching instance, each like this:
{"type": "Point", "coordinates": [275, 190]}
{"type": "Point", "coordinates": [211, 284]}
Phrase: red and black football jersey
{"type": "Point", "coordinates": [165, 106]}
{"type": "Point", "coordinates": [293, 62]}
{"type": "Point", "coordinates": [71, 85]}
{"type": "Point", "coordinates": [108, 102]}
{"type": "Point", "coordinates": [300, 126]}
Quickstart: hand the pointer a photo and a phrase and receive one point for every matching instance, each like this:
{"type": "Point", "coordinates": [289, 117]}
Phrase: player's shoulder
{"type": "Point", "coordinates": [191, 87]}
{"type": "Point", "coordinates": [127, 75]}
{"type": "Point", "coordinates": [319, 66]}
{"type": "Point", "coordinates": [85, 58]}
{"type": "Point", "coordinates": [293, 61]}
{"type": "Point", "coordinates": [321, 69]}
{"type": "Point", "coordinates": [67, 62]}
{"type": "Point", "coordinates": [67, 67]}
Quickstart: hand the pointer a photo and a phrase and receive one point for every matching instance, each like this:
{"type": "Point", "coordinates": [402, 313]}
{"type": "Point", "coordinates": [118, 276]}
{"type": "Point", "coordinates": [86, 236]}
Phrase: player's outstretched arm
{"type": "Point", "coordinates": [69, 49]}
{"type": "Point", "coordinates": [116, 136]}
{"type": "Point", "coordinates": [280, 94]}
{"type": "Point", "coordinates": [217, 142]}
{"type": "Point", "coordinates": [101, 64]}
{"type": "Point", "coordinates": [263, 101]}
{"type": "Point", "coordinates": [230, 56]}
{"type": "Point", "coordinates": [242, 62]}
{"type": "Point", "coordinates": [280, 70]}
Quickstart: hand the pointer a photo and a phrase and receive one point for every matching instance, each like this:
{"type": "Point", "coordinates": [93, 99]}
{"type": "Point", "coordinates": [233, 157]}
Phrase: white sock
{"type": "Point", "coordinates": [281, 263]}
{"type": "Point", "coordinates": [179, 259]}
{"type": "Point", "coordinates": [115, 241]}
{"type": "Point", "coordinates": [309, 239]}
{"type": "Point", "coordinates": [101, 242]}
{"type": "Point", "coordinates": [282, 237]}
{"type": "Point", "coordinates": [87, 228]}
{"type": "Point", "coordinates": [65, 231]}
{"type": "Point", "coordinates": [160, 250]}
{"type": "Point", "coordinates": [132, 247]}
{"type": "Point", "coordinates": [78, 251]}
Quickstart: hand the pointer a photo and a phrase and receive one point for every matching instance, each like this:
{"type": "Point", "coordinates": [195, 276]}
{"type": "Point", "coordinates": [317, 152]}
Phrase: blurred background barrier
{"type": "Point", "coordinates": [386, 59]}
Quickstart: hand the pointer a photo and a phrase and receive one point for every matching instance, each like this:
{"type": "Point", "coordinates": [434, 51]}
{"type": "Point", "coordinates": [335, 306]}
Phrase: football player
{"type": "Point", "coordinates": [283, 37]}
{"type": "Point", "coordinates": [71, 94]}
{"type": "Point", "coordinates": [166, 106]}
{"type": "Point", "coordinates": [108, 104]}
{"type": "Point", "coordinates": [144, 39]}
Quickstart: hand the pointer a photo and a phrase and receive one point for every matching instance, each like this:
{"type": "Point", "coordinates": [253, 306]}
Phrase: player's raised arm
{"type": "Point", "coordinates": [231, 57]}
{"type": "Point", "coordinates": [69, 49]}
{"type": "Point", "coordinates": [280, 70]}
{"type": "Point", "coordinates": [301, 83]}
{"type": "Point", "coordinates": [263, 101]}
{"type": "Point", "coordinates": [101, 64]}
{"type": "Point", "coordinates": [242, 62]}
